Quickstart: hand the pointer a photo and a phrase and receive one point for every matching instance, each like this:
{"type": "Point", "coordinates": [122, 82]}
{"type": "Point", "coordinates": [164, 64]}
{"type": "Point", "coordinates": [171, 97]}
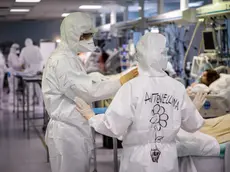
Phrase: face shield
{"type": "Point", "coordinates": [151, 54]}
{"type": "Point", "coordinates": [77, 33]}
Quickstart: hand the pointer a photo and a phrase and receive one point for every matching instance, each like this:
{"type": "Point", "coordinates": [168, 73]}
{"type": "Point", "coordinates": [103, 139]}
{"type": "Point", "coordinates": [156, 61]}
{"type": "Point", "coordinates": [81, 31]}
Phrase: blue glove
{"type": "Point", "coordinates": [99, 110]}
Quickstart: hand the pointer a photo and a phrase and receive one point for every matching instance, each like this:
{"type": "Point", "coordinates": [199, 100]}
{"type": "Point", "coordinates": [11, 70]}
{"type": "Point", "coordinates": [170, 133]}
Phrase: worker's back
{"type": "Point", "coordinates": [157, 119]}
{"type": "Point", "coordinates": [32, 54]}
{"type": "Point", "coordinates": [31, 57]}
{"type": "Point", "coordinates": [2, 64]}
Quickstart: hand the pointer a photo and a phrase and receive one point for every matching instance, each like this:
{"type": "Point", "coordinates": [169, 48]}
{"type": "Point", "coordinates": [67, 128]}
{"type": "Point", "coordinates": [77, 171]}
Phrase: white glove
{"type": "Point", "coordinates": [84, 108]}
{"type": "Point", "coordinates": [199, 100]}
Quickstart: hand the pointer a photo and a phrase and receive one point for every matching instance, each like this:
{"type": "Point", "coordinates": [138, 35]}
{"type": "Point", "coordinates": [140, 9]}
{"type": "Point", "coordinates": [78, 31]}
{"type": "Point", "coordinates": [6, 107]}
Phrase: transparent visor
{"type": "Point", "coordinates": [86, 36]}
{"type": "Point", "coordinates": [164, 53]}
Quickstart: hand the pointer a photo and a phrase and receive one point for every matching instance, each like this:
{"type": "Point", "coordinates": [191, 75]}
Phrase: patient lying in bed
{"type": "Point", "coordinates": [211, 82]}
{"type": "Point", "coordinates": [208, 77]}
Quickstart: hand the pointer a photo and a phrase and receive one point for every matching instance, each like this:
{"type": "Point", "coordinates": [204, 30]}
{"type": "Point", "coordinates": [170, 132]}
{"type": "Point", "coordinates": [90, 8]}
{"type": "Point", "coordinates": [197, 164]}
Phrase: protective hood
{"type": "Point", "coordinates": [72, 27]}
{"type": "Point", "coordinates": [28, 42]}
{"type": "Point", "coordinates": [151, 54]}
{"type": "Point", "coordinates": [14, 48]}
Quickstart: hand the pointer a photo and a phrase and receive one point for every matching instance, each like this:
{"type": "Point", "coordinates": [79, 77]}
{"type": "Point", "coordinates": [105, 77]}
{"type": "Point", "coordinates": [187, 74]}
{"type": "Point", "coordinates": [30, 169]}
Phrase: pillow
{"type": "Point", "coordinates": [198, 88]}
{"type": "Point", "coordinates": [220, 84]}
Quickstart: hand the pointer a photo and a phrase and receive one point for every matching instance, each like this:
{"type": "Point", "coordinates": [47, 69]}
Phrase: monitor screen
{"type": "Point", "coordinates": [209, 42]}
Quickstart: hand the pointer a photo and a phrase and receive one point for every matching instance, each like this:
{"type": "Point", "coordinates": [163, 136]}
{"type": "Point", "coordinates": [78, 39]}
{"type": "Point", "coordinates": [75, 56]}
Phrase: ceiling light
{"type": "Point", "coordinates": [58, 40]}
{"type": "Point", "coordinates": [90, 7]}
{"type": "Point", "coordinates": [15, 10]}
{"type": "Point", "coordinates": [28, 1]}
{"type": "Point", "coordinates": [134, 8]}
{"type": "Point", "coordinates": [196, 4]}
{"type": "Point", "coordinates": [65, 14]}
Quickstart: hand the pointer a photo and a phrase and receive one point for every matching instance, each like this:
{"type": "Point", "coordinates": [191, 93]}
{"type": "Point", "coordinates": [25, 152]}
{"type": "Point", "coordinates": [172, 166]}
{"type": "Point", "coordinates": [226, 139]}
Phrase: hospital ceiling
{"type": "Point", "coordinates": [47, 9]}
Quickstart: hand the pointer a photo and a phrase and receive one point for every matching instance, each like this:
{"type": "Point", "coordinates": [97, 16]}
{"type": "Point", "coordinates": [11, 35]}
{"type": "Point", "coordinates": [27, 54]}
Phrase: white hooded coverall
{"type": "Point", "coordinates": [68, 134]}
{"type": "Point", "coordinates": [3, 69]}
{"type": "Point", "coordinates": [31, 57]}
{"type": "Point", "coordinates": [148, 111]}
{"type": "Point", "coordinates": [14, 64]}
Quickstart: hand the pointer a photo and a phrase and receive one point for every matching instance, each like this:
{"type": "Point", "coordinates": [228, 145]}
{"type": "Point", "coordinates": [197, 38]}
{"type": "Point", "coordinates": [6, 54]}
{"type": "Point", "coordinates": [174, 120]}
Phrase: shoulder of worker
{"type": "Point", "coordinates": [23, 50]}
{"type": "Point", "coordinates": [177, 83]}
{"type": "Point", "coordinates": [36, 47]}
{"type": "Point", "coordinates": [10, 56]}
{"type": "Point", "coordinates": [64, 63]}
{"type": "Point", "coordinates": [140, 80]}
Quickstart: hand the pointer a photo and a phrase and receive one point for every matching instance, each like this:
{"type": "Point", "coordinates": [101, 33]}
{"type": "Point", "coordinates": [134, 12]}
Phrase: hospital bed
{"type": "Point", "coordinates": [219, 163]}
{"type": "Point", "coordinates": [207, 164]}
{"type": "Point", "coordinates": [217, 104]}
{"type": "Point", "coordinates": [218, 98]}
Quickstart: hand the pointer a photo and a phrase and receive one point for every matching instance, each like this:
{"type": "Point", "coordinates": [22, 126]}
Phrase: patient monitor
{"type": "Point", "coordinates": [196, 66]}
{"type": "Point", "coordinates": [209, 40]}
{"type": "Point", "coordinates": [210, 53]}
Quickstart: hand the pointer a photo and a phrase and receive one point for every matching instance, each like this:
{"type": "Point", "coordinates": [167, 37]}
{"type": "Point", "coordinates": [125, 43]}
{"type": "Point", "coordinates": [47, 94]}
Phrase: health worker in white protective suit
{"type": "Point", "coordinates": [3, 69]}
{"type": "Point", "coordinates": [68, 134]}
{"type": "Point", "coordinates": [32, 60]}
{"type": "Point", "coordinates": [147, 113]}
{"type": "Point", "coordinates": [14, 65]}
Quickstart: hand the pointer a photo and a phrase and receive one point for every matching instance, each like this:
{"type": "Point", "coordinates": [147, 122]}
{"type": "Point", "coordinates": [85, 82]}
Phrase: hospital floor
{"type": "Point", "coordinates": [19, 154]}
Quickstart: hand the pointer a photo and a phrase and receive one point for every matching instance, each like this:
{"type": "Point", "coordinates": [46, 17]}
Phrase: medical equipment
{"type": "Point", "coordinates": [198, 63]}
{"type": "Point", "coordinates": [112, 64]}
{"type": "Point", "coordinates": [215, 105]}
{"type": "Point", "coordinates": [210, 43]}
{"type": "Point", "coordinates": [124, 58]}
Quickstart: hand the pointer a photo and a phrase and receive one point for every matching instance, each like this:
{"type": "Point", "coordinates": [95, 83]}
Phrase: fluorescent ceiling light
{"type": "Point", "coordinates": [28, 1]}
{"type": "Point", "coordinates": [134, 8]}
{"type": "Point", "coordinates": [90, 7]}
{"type": "Point", "coordinates": [58, 40]}
{"type": "Point", "coordinates": [195, 4]}
{"type": "Point", "coordinates": [65, 14]}
{"type": "Point", "coordinates": [19, 10]}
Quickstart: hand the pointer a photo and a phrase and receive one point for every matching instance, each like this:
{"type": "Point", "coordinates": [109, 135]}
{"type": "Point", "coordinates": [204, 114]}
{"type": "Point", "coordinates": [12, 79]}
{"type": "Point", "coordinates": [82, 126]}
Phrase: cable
{"type": "Point", "coordinates": [190, 44]}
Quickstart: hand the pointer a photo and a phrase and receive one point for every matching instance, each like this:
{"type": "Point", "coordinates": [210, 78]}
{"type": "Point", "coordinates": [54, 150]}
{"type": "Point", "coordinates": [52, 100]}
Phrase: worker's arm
{"type": "Point", "coordinates": [14, 62]}
{"type": "Point", "coordinates": [39, 54]}
{"type": "Point", "coordinates": [118, 117]}
{"type": "Point", "coordinates": [75, 83]}
{"type": "Point", "coordinates": [22, 57]}
{"type": "Point", "coordinates": [191, 118]}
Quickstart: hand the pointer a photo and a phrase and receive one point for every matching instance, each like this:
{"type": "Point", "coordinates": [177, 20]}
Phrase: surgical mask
{"type": "Point", "coordinates": [86, 46]}
{"type": "Point", "coordinates": [164, 59]}
{"type": "Point", "coordinates": [18, 52]}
